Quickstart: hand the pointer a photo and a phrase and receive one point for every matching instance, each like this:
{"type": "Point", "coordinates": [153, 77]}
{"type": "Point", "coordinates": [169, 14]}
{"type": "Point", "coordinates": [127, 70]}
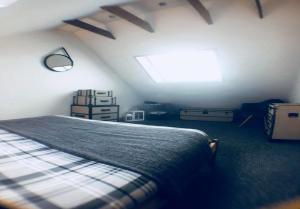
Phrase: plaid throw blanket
{"type": "Point", "coordinates": [33, 175]}
{"type": "Point", "coordinates": [172, 157]}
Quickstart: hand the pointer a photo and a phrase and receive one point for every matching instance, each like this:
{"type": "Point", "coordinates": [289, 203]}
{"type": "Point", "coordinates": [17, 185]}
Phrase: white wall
{"type": "Point", "coordinates": [295, 92]}
{"type": "Point", "coordinates": [29, 89]}
{"type": "Point", "coordinates": [259, 58]}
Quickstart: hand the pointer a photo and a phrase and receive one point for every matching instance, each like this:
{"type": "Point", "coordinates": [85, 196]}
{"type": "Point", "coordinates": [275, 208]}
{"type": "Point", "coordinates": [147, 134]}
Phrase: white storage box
{"type": "Point", "coordinates": [283, 121]}
{"type": "Point", "coordinates": [223, 115]}
{"type": "Point", "coordinates": [106, 117]}
{"type": "Point", "coordinates": [83, 100]}
{"type": "Point", "coordinates": [108, 113]}
{"type": "Point", "coordinates": [80, 115]}
{"type": "Point", "coordinates": [95, 93]}
{"type": "Point", "coordinates": [94, 110]}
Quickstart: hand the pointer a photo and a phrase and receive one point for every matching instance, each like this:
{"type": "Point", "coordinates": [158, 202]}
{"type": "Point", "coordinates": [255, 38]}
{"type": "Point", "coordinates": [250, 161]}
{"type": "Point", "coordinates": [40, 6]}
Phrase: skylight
{"type": "Point", "coordinates": [184, 66]}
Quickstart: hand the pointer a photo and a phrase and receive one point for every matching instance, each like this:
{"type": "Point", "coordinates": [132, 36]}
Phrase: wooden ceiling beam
{"type": "Point", "coordinates": [202, 10]}
{"type": "Point", "coordinates": [85, 26]}
{"type": "Point", "coordinates": [120, 12]}
{"type": "Point", "coordinates": [259, 9]}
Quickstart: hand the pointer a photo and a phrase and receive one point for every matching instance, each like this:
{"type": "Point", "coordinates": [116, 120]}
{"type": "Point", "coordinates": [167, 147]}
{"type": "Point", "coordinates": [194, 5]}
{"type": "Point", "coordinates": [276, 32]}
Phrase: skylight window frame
{"type": "Point", "coordinates": [162, 80]}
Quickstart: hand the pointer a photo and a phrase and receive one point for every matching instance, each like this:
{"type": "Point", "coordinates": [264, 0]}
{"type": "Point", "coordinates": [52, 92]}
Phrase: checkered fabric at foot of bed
{"type": "Point", "coordinates": [33, 175]}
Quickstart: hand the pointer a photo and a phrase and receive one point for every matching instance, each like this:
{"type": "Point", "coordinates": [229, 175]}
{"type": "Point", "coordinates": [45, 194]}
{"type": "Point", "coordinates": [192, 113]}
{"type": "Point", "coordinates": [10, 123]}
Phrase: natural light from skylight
{"type": "Point", "coordinates": [183, 66]}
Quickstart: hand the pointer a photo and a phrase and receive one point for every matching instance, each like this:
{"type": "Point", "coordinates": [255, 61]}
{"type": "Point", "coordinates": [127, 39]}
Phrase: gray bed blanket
{"type": "Point", "coordinates": [170, 156]}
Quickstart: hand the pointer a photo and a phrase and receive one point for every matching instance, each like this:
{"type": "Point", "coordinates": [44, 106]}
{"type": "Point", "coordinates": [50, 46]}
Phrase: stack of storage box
{"type": "Point", "coordinates": [95, 105]}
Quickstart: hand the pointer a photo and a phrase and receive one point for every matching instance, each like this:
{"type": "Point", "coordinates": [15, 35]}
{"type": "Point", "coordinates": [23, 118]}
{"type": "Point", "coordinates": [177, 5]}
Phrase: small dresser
{"type": "Point", "coordinates": [95, 105]}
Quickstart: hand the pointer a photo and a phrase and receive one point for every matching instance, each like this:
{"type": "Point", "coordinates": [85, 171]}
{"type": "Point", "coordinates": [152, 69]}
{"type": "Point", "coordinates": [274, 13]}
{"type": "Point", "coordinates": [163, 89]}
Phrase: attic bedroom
{"type": "Point", "coordinates": [150, 104]}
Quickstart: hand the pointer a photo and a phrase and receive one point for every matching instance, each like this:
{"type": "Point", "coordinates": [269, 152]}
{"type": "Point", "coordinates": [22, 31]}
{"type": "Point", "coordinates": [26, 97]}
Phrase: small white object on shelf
{"type": "Point", "coordinates": [135, 115]}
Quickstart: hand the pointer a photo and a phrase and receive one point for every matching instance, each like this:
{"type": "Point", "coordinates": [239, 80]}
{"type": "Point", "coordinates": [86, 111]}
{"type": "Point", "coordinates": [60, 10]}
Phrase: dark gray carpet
{"type": "Point", "coordinates": [250, 171]}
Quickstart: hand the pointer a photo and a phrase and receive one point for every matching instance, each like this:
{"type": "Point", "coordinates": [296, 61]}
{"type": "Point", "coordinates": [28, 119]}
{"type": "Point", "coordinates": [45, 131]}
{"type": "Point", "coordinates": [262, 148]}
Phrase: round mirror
{"type": "Point", "coordinates": [58, 62]}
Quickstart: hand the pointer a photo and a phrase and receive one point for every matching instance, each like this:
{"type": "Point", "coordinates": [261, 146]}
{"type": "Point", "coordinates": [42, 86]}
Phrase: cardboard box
{"type": "Point", "coordinates": [283, 121]}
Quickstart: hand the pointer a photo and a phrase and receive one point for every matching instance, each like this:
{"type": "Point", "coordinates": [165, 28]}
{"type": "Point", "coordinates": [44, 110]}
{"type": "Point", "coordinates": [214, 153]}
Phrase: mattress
{"type": "Point", "coordinates": [33, 175]}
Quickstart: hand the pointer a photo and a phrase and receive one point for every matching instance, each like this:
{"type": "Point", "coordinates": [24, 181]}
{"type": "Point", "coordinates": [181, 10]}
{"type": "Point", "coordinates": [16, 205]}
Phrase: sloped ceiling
{"type": "Point", "coordinates": [31, 15]}
{"type": "Point", "coordinates": [259, 58]}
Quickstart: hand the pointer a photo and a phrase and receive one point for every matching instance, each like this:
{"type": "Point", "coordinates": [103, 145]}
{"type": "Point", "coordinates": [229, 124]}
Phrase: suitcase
{"type": "Point", "coordinates": [94, 110]}
{"type": "Point", "coordinates": [282, 121]}
{"type": "Point", "coordinates": [106, 117]}
{"type": "Point", "coordinates": [94, 93]}
{"type": "Point", "coordinates": [103, 117]}
{"type": "Point", "coordinates": [83, 100]}
{"type": "Point", "coordinates": [201, 114]}
{"type": "Point", "coordinates": [79, 115]}
{"type": "Point", "coordinates": [107, 113]}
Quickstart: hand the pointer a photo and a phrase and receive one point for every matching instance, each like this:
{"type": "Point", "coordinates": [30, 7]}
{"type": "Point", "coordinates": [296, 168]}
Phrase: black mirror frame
{"type": "Point", "coordinates": [67, 56]}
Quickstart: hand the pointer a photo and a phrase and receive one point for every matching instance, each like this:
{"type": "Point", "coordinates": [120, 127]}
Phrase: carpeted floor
{"type": "Point", "coordinates": [250, 171]}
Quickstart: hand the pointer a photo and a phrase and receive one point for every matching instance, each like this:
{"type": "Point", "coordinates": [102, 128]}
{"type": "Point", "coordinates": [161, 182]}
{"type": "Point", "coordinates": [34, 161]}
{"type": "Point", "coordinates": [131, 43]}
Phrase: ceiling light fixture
{"type": "Point", "coordinates": [6, 3]}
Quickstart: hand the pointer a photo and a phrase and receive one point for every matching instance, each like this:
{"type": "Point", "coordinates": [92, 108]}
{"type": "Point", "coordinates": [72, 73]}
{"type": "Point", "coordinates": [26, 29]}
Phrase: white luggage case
{"type": "Point", "coordinates": [83, 100]}
{"type": "Point", "coordinates": [95, 93]}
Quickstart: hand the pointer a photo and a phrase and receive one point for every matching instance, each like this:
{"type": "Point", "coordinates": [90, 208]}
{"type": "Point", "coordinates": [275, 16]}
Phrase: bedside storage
{"type": "Point", "coordinates": [282, 121]}
{"type": "Point", "coordinates": [107, 113]}
{"type": "Point", "coordinates": [95, 105]}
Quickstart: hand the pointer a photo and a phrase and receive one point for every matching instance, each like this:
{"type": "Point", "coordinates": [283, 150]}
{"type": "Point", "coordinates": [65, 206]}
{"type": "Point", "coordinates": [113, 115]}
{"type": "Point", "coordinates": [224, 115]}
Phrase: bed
{"type": "Point", "coordinates": [63, 162]}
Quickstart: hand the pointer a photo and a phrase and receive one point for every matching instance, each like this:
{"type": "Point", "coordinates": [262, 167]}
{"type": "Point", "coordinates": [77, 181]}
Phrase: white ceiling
{"type": "Point", "coordinates": [31, 15]}
{"type": "Point", "coordinates": [140, 8]}
{"type": "Point", "coordinates": [259, 58]}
